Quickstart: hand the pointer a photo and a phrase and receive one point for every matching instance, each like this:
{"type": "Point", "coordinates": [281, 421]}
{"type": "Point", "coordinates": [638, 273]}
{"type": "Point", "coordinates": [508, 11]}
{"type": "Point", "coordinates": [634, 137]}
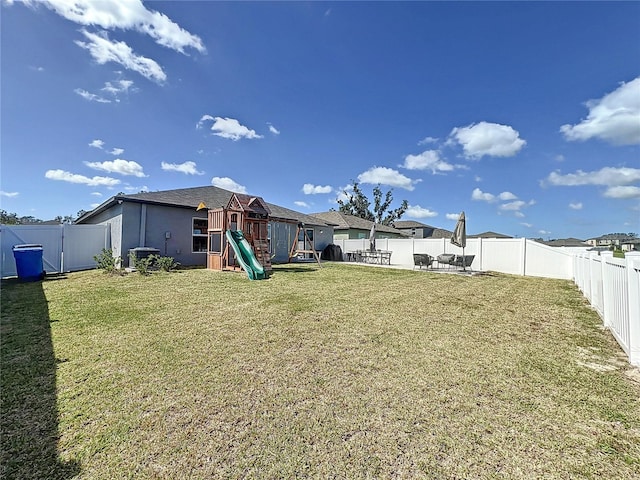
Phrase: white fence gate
{"type": "Point", "coordinates": [65, 248]}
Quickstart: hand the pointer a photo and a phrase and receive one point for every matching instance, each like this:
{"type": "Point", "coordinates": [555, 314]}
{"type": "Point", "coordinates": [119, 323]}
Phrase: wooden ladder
{"type": "Point", "coordinates": [261, 249]}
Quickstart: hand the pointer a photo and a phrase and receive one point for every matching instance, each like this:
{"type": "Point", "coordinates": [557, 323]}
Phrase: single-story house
{"type": "Point", "coordinates": [489, 234]}
{"type": "Point", "coordinates": [346, 227]}
{"type": "Point", "coordinates": [170, 222]}
{"type": "Point", "coordinates": [415, 229]}
{"type": "Point", "coordinates": [564, 242]}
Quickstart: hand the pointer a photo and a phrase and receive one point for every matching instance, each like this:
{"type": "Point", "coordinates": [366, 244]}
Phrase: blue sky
{"type": "Point", "coordinates": [524, 115]}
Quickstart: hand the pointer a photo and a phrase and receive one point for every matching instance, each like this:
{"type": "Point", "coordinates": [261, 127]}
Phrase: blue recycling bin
{"type": "Point", "coordinates": [29, 262]}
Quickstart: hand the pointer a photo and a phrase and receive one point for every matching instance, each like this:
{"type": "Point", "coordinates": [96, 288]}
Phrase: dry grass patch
{"type": "Point", "coordinates": [339, 372]}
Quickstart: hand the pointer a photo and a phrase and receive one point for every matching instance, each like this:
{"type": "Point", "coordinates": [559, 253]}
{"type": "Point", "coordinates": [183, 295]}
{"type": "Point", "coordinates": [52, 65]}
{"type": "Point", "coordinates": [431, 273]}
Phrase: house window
{"type": "Point", "coordinates": [269, 237]}
{"type": "Point", "coordinates": [199, 235]}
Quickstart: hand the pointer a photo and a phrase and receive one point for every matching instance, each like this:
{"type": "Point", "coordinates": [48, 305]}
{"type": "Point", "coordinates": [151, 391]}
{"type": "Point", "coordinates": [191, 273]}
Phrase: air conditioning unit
{"type": "Point", "coordinates": [141, 252]}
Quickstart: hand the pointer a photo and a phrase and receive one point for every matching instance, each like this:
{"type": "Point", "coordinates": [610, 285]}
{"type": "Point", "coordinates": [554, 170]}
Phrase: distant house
{"type": "Point", "coordinates": [415, 229]}
{"type": "Point", "coordinates": [168, 221]}
{"type": "Point", "coordinates": [489, 235]}
{"type": "Point", "coordinates": [616, 240]}
{"type": "Point", "coordinates": [346, 227]}
{"type": "Point", "coordinates": [564, 242]}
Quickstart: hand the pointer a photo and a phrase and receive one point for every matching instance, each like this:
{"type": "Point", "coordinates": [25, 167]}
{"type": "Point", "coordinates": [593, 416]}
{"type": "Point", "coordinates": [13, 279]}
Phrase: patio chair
{"type": "Point", "coordinates": [463, 261]}
{"type": "Point", "coordinates": [445, 259]}
{"type": "Point", "coordinates": [422, 260]}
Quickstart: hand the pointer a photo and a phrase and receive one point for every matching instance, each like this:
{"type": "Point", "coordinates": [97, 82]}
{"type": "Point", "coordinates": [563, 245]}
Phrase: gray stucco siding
{"type": "Point", "coordinates": [179, 223]}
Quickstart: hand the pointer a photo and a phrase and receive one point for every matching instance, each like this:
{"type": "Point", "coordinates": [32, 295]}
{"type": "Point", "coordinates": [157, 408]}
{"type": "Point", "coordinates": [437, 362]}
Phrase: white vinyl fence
{"type": "Point", "coordinates": [517, 256]}
{"type": "Point", "coordinates": [612, 286]}
{"type": "Point", "coordinates": [65, 248]}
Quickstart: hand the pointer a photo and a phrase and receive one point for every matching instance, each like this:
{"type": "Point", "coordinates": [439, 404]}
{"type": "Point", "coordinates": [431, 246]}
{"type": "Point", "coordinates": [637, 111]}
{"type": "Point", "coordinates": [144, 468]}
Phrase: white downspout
{"type": "Point", "coordinates": [143, 225]}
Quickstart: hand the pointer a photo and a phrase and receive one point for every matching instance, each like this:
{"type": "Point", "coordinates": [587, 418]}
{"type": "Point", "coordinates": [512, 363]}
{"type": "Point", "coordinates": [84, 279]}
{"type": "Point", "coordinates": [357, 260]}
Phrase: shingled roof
{"type": "Point", "coordinates": [212, 197]}
{"type": "Point", "coordinates": [343, 221]}
{"type": "Point", "coordinates": [402, 224]}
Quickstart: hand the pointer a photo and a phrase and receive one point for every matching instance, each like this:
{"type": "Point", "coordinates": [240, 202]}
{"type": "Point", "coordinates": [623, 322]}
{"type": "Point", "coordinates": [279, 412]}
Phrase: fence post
{"type": "Point", "coordinates": [633, 285]}
{"type": "Point", "coordinates": [606, 319]}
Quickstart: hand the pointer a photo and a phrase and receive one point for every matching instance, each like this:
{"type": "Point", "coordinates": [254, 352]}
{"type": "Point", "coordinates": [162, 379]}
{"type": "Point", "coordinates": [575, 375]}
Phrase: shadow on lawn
{"type": "Point", "coordinates": [29, 419]}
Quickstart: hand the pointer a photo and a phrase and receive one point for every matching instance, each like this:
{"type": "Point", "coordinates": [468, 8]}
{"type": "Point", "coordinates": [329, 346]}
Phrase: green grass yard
{"type": "Point", "coordinates": [340, 372]}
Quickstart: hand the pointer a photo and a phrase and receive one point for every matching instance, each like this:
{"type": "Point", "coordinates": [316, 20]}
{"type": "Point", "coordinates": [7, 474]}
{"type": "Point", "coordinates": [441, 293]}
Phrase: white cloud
{"type": "Point", "coordinates": [342, 195]}
{"type": "Point", "coordinates": [301, 204]}
{"type": "Point", "coordinates": [188, 168]}
{"type": "Point", "coordinates": [387, 176]}
{"type": "Point", "coordinates": [123, 167]}
{"type": "Point", "coordinates": [608, 176]}
{"type": "Point", "coordinates": [453, 216]}
{"type": "Point", "coordinates": [507, 196]}
{"type": "Point", "coordinates": [104, 50]}
{"type": "Point", "coordinates": [273, 129]}
{"type": "Point", "coordinates": [416, 211]}
{"type": "Point", "coordinates": [614, 118]}
{"type": "Point", "coordinates": [310, 189]}
{"type": "Point", "coordinates": [427, 140]}
{"type": "Point", "coordinates": [97, 143]}
{"type": "Point", "coordinates": [134, 189]}
{"type": "Point", "coordinates": [559, 158]}
{"type": "Point", "coordinates": [75, 178]}
{"type": "Point", "coordinates": [117, 87]}
{"type": "Point", "coordinates": [477, 178]}
{"type": "Point", "coordinates": [479, 195]}
{"type": "Point", "coordinates": [528, 225]}
{"type": "Point", "coordinates": [117, 151]}
{"type": "Point", "coordinates": [427, 160]}
{"type": "Point", "coordinates": [203, 119]}
{"type": "Point", "coordinates": [94, 205]}
{"type": "Point", "coordinates": [543, 232]}
{"type": "Point", "coordinates": [228, 128]}
{"type": "Point", "coordinates": [513, 206]}
{"type": "Point", "coordinates": [8, 194]}
{"type": "Point", "coordinates": [92, 97]}
{"type": "Point", "coordinates": [127, 15]}
{"type": "Point", "coordinates": [489, 139]}
{"type": "Point", "coordinates": [228, 184]}
{"type": "Point", "coordinates": [96, 194]}
{"type": "Point", "coordinates": [576, 206]}
{"type": "Point", "coordinates": [628, 191]}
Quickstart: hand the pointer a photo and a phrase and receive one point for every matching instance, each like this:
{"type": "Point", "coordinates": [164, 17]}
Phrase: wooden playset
{"type": "Point", "coordinates": [245, 213]}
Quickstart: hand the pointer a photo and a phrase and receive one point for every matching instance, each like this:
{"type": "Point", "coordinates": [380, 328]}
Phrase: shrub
{"type": "Point", "coordinates": [142, 265]}
{"type": "Point", "coordinates": [165, 264]}
{"type": "Point", "coordinates": [107, 262]}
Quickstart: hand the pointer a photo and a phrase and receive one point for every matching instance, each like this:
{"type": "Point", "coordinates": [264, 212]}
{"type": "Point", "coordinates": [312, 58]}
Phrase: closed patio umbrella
{"type": "Point", "coordinates": [459, 236]}
{"type": "Point", "coordinates": [372, 237]}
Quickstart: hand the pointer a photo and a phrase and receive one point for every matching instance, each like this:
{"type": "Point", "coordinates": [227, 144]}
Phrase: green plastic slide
{"type": "Point", "coordinates": [245, 255]}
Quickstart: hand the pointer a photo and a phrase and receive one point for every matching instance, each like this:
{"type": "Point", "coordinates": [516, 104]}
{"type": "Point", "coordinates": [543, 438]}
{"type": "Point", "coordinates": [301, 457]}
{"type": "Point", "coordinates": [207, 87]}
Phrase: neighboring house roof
{"type": "Point", "coordinates": [441, 233]}
{"type": "Point", "coordinates": [621, 237]}
{"type": "Point", "coordinates": [412, 224]}
{"type": "Point", "coordinates": [402, 224]}
{"type": "Point", "coordinates": [343, 221]}
{"type": "Point", "coordinates": [212, 197]}
{"type": "Point", "coordinates": [565, 242]}
{"type": "Point", "coordinates": [489, 234]}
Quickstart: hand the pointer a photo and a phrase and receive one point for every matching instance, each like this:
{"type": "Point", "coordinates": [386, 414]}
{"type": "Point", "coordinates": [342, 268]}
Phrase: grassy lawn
{"type": "Point", "coordinates": [340, 372]}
